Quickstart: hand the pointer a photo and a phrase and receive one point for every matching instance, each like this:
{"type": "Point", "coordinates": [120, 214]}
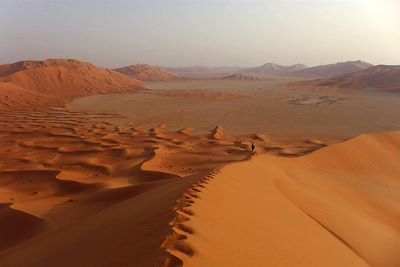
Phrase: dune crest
{"type": "Point", "coordinates": [53, 82]}
{"type": "Point", "coordinates": [381, 78]}
{"type": "Point", "coordinates": [337, 206]}
{"type": "Point", "coordinates": [331, 70]}
{"type": "Point", "coordinates": [186, 131]}
{"type": "Point", "coordinates": [218, 133]}
{"type": "Point", "coordinates": [17, 226]}
{"type": "Point", "coordinates": [146, 72]}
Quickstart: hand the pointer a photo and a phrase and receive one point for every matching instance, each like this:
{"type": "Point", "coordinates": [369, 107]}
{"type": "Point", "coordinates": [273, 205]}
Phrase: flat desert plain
{"type": "Point", "coordinates": [261, 106]}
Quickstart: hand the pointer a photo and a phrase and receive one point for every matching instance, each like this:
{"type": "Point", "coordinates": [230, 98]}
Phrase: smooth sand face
{"type": "Point", "coordinates": [243, 107]}
{"type": "Point", "coordinates": [338, 206]}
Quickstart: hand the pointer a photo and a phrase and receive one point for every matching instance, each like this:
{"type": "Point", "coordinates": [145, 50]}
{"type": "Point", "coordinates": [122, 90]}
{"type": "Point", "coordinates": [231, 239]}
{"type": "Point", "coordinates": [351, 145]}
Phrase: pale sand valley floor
{"type": "Point", "coordinates": [243, 107]}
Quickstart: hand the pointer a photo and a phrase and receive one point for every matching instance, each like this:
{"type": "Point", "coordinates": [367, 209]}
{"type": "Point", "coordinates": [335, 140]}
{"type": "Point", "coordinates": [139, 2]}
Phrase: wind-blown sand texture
{"type": "Point", "coordinates": [338, 206]}
{"type": "Point", "coordinates": [54, 82]}
{"type": "Point", "coordinates": [83, 192]}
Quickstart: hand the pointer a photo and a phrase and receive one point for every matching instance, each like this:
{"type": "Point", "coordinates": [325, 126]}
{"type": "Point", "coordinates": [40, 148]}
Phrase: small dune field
{"type": "Point", "coordinates": [72, 180]}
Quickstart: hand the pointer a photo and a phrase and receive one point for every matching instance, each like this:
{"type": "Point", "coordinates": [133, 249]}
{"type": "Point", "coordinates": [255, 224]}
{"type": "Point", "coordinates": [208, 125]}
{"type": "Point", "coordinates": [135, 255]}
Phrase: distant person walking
{"type": "Point", "coordinates": [253, 148]}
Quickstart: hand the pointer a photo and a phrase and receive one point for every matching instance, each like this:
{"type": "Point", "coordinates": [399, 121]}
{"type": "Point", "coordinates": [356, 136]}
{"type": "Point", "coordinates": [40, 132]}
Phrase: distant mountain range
{"type": "Point", "coordinates": [272, 69]}
{"type": "Point", "coordinates": [351, 74]}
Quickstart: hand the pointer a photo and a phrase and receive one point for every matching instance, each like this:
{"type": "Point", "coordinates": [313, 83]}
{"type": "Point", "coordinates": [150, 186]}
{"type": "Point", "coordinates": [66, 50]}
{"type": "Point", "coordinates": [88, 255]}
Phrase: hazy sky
{"type": "Point", "coordinates": [201, 32]}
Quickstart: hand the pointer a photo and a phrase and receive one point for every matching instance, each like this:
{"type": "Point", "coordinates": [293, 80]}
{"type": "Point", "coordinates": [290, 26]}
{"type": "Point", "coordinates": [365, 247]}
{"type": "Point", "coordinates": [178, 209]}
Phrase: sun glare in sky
{"type": "Point", "coordinates": [219, 32]}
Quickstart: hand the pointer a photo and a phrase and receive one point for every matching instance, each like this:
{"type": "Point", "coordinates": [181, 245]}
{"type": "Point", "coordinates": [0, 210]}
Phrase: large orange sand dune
{"type": "Point", "coordinates": [55, 81]}
{"type": "Point", "coordinates": [339, 206]}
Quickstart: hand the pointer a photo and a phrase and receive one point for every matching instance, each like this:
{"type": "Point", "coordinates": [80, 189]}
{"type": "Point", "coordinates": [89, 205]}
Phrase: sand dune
{"type": "Point", "coordinates": [203, 72]}
{"type": "Point", "coordinates": [146, 72]}
{"type": "Point", "coordinates": [17, 226]}
{"type": "Point", "coordinates": [380, 78]}
{"type": "Point", "coordinates": [331, 70]}
{"type": "Point", "coordinates": [55, 81]}
{"type": "Point", "coordinates": [78, 181]}
{"type": "Point", "coordinates": [265, 70]}
{"type": "Point", "coordinates": [218, 133]}
{"type": "Point", "coordinates": [338, 206]}
{"type": "Point", "coordinates": [271, 69]}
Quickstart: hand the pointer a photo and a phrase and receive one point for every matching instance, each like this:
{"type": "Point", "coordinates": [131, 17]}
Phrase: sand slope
{"type": "Point", "coordinates": [271, 69]}
{"type": "Point", "coordinates": [202, 71]}
{"type": "Point", "coordinates": [338, 206]}
{"type": "Point", "coordinates": [382, 78]}
{"type": "Point", "coordinates": [330, 70]}
{"type": "Point", "coordinates": [55, 81]}
{"type": "Point", "coordinates": [17, 226]}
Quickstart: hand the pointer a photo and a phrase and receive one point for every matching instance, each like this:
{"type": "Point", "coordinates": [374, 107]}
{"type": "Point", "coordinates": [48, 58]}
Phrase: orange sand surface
{"type": "Point", "coordinates": [53, 82]}
{"type": "Point", "coordinates": [79, 190]}
{"type": "Point", "coordinates": [338, 206]}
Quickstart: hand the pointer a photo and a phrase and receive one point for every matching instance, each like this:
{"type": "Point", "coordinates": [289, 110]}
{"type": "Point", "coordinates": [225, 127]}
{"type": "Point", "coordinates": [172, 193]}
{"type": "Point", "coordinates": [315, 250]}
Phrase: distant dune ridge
{"type": "Point", "coordinates": [268, 69]}
{"type": "Point", "coordinates": [271, 69]}
{"type": "Point", "coordinates": [330, 70]}
{"type": "Point", "coordinates": [380, 78]}
{"type": "Point", "coordinates": [55, 81]}
{"type": "Point", "coordinates": [52, 82]}
{"type": "Point", "coordinates": [203, 72]}
{"type": "Point", "coordinates": [383, 78]}
{"type": "Point", "coordinates": [145, 72]}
